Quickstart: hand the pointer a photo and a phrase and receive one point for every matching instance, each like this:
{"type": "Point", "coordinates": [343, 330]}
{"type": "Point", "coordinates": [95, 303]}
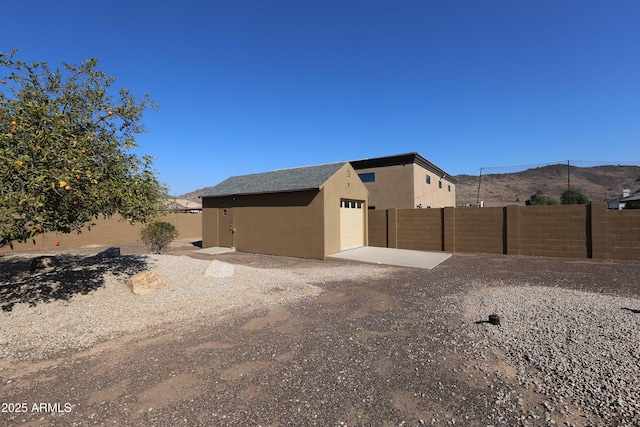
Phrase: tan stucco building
{"type": "Point", "coordinates": [406, 181]}
{"type": "Point", "coordinates": [307, 212]}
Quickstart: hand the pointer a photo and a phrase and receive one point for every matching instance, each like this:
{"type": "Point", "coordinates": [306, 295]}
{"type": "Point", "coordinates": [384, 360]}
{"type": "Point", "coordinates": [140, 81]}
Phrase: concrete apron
{"type": "Point", "coordinates": [215, 250]}
{"type": "Point", "coordinates": [391, 256]}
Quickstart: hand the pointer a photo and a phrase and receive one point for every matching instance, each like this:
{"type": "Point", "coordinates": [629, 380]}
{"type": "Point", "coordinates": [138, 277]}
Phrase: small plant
{"type": "Point", "coordinates": [157, 236]}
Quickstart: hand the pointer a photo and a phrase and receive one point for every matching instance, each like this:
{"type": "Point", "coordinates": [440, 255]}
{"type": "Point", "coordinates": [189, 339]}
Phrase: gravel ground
{"type": "Point", "coordinates": [390, 346]}
{"type": "Point", "coordinates": [579, 349]}
{"type": "Point", "coordinates": [71, 321]}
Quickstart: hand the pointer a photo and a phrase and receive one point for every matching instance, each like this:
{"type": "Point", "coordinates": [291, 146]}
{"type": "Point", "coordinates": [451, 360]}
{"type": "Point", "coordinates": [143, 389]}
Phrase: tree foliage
{"type": "Point", "coordinates": [573, 196]}
{"type": "Point", "coordinates": [540, 199]}
{"type": "Point", "coordinates": [66, 150]}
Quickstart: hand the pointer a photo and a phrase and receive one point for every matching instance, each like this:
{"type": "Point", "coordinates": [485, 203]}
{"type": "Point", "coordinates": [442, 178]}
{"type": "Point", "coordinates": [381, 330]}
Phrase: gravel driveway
{"type": "Point", "coordinates": [332, 343]}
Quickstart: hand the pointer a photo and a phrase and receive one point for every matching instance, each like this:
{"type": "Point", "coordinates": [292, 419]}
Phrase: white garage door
{"type": "Point", "coordinates": [351, 224]}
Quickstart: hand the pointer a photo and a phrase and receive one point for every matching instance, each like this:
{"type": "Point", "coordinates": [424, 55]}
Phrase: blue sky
{"type": "Point", "coordinates": [253, 86]}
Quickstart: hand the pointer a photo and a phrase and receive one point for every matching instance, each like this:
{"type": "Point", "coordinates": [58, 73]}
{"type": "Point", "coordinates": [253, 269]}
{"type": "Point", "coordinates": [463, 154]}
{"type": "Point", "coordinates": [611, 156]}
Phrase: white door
{"type": "Point", "coordinates": [351, 224]}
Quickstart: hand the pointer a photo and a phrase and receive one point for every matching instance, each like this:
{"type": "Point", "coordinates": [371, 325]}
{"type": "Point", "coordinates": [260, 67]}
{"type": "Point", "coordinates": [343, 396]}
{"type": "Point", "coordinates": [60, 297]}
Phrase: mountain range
{"type": "Point", "coordinates": [598, 183]}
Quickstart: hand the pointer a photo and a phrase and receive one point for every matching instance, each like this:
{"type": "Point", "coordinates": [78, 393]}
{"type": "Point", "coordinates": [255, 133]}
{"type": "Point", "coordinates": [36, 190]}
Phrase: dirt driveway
{"type": "Point", "coordinates": [392, 351]}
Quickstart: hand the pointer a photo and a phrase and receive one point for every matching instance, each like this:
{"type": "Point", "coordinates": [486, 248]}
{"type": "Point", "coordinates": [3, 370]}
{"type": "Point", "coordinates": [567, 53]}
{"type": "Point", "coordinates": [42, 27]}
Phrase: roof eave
{"type": "Point", "coordinates": [261, 192]}
{"type": "Point", "coordinates": [402, 159]}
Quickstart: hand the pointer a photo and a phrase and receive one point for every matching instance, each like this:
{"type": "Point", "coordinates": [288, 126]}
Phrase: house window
{"type": "Point", "coordinates": [428, 179]}
{"type": "Point", "coordinates": [439, 184]}
{"type": "Point", "coordinates": [350, 204]}
{"type": "Point", "coordinates": [367, 177]}
{"type": "Point", "coordinates": [224, 212]}
{"type": "Point", "coordinates": [348, 173]}
{"type": "Point", "coordinates": [449, 188]}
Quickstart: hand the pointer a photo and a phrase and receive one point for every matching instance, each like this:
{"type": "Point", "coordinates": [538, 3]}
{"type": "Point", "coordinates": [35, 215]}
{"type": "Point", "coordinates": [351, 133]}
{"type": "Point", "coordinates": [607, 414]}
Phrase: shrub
{"type": "Point", "coordinates": [158, 235]}
{"type": "Point", "coordinates": [574, 196]}
{"type": "Point", "coordinates": [540, 199]}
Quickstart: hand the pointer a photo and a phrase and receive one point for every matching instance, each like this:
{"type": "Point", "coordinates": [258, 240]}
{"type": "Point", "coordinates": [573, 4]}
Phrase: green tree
{"type": "Point", "coordinates": [66, 150]}
{"type": "Point", "coordinates": [540, 199]}
{"type": "Point", "coordinates": [573, 196]}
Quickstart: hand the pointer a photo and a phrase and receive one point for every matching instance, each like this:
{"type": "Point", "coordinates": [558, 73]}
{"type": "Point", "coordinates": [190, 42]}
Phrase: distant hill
{"type": "Point", "coordinates": [192, 196]}
{"type": "Point", "coordinates": [598, 183]}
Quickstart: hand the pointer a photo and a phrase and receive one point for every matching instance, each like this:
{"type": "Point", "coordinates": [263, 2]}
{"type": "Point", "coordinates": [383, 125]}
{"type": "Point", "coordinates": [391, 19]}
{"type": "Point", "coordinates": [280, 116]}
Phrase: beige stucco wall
{"type": "Point", "coordinates": [304, 224]}
{"type": "Point", "coordinates": [431, 195]}
{"type": "Point", "coordinates": [405, 187]}
{"type": "Point", "coordinates": [393, 187]}
{"type": "Point", "coordinates": [209, 223]}
{"type": "Point", "coordinates": [341, 186]}
{"type": "Point", "coordinates": [112, 231]}
{"type": "Point", "coordinates": [286, 224]}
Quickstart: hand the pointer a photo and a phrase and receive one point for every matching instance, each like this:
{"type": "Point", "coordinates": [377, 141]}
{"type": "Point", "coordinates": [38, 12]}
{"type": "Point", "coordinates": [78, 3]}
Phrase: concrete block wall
{"type": "Point", "coordinates": [479, 230]}
{"type": "Point", "coordinates": [570, 231]}
{"type": "Point", "coordinates": [554, 231]}
{"type": "Point", "coordinates": [377, 228]}
{"type": "Point", "coordinates": [420, 229]}
{"type": "Point", "coordinates": [624, 234]}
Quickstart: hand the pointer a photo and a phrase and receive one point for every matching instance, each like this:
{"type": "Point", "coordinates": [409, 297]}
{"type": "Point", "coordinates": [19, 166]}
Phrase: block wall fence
{"type": "Point", "coordinates": [571, 231]}
{"type": "Point", "coordinates": [112, 231]}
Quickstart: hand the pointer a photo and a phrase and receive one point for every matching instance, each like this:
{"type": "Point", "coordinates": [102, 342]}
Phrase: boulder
{"type": "Point", "coordinates": [218, 269]}
{"type": "Point", "coordinates": [43, 262]}
{"type": "Point", "coordinates": [146, 283]}
{"type": "Point", "coordinates": [112, 252]}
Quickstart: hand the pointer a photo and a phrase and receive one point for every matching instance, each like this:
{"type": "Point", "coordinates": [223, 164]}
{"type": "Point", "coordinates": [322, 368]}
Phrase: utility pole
{"type": "Point", "coordinates": [479, 182]}
{"type": "Point", "coordinates": [568, 176]}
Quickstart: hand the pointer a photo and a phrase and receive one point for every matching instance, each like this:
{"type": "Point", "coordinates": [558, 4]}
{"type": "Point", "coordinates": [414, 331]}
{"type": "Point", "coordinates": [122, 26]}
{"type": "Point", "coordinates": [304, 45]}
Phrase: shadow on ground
{"type": "Point", "coordinates": [75, 274]}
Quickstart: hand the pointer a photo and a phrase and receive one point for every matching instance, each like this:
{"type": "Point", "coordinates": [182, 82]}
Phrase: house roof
{"type": "Point", "coordinates": [283, 180]}
{"type": "Point", "coordinates": [632, 198]}
{"type": "Point", "coordinates": [402, 159]}
{"type": "Point", "coordinates": [182, 204]}
{"type": "Point", "coordinates": [635, 197]}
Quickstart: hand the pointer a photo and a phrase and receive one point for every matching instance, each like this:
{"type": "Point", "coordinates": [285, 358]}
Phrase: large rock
{"type": "Point", "coordinates": [146, 283]}
{"type": "Point", "coordinates": [218, 269]}
{"type": "Point", "coordinates": [45, 262]}
{"type": "Point", "coordinates": [112, 252]}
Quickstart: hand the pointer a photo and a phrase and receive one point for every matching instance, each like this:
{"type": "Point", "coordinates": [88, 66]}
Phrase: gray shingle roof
{"type": "Point", "coordinates": [632, 198]}
{"type": "Point", "coordinates": [296, 179]}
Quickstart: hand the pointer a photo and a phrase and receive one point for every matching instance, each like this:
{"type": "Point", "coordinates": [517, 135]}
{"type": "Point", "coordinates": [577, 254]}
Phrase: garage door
{"type": "Point", "coordinates": [351, 224]}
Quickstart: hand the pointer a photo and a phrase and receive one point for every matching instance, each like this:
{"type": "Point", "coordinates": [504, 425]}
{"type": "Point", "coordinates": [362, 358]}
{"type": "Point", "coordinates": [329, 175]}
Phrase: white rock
{"type": "Point", "coordinates": [218, 269]}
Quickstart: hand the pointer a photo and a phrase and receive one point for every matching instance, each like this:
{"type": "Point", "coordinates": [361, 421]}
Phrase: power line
{"type": "Point", "coordinates": [564, 162]}
{"type": "Point", "coordinates": [485, 179]}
